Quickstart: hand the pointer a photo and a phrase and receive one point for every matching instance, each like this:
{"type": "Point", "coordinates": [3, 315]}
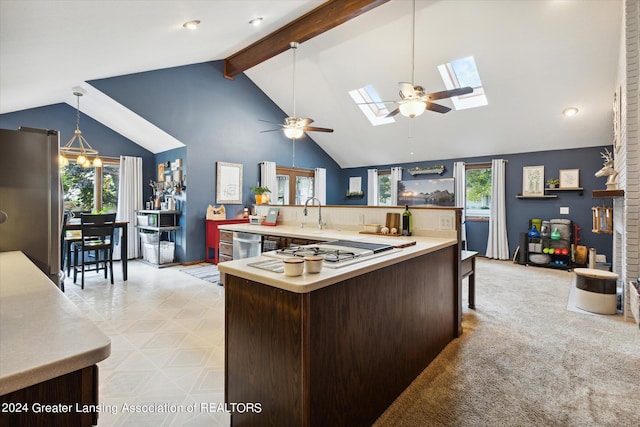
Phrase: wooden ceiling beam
{"type": "Point", "coordinates": [323, 18]}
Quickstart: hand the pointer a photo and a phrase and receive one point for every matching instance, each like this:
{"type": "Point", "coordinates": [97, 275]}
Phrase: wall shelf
{"type": "Point", "coordinates": [546, 196]}
{"type": "Point", "coordinates": [438, 170]}
{"type": "Point", "coordinates": [578, 189]}
{"type": "Point", "coordinates": [607, 193]}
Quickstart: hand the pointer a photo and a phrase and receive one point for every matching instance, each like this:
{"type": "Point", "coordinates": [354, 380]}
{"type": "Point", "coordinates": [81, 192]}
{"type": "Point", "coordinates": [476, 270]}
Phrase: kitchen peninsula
{"type": "Point", "coordinates": [49, 351]}
{"type": "Point", "coordinates": [337, 347]}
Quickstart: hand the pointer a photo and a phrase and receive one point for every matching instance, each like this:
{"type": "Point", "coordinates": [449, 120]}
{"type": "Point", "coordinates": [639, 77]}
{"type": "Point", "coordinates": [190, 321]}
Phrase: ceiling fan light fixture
{"type": "Point", "coordinates": [293, 132]}
{"type": "Point", "coordinates": [412, 109]}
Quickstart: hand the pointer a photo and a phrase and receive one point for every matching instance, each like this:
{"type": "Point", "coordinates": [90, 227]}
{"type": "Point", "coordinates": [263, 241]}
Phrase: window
{"type": "Point", "coordinates": [369, 102]}
{"type": "Point", "coordinates": [463, 72]}
{"type": "Point", "coordinates": [384, 188]}
{"type": "Point", "coordinates": [91, 189]}
{"type": "Point", "coordinates": [478, 195]}
{"type": "Point", "coordinates": [298, 182]}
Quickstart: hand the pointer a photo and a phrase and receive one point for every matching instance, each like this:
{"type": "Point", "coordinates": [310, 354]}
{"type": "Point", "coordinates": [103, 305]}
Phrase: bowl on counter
{"type": "Point", "coordinates": [371, 228]}
{"type": "Point", "coordinates": [293, 266]}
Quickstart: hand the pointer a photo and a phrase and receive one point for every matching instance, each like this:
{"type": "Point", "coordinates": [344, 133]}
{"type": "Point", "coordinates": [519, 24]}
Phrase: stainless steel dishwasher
{"type": "Point", "coordinates": [246, 245]}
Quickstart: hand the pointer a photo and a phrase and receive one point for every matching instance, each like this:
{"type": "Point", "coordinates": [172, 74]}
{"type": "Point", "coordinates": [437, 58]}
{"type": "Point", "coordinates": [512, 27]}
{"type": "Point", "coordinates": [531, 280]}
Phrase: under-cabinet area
{"type": "Point", "coordinates": [157, 234]}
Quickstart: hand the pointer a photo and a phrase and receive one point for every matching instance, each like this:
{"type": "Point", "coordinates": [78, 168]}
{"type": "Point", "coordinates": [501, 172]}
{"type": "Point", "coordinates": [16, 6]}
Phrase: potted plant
{"type": "Point", "coordinates": [260, 192]}
{"type": "Point", "coordinates": [553, 182]}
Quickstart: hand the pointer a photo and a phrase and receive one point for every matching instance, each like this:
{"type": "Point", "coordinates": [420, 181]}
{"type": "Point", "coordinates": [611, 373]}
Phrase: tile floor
{"type": "Point", "coordinates": [167, 346]}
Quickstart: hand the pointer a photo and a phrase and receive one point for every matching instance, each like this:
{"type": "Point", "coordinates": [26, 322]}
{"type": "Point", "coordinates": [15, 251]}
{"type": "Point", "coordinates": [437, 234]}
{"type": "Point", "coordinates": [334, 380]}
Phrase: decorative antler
{"type": "Point", "coordinates": [607, 156]}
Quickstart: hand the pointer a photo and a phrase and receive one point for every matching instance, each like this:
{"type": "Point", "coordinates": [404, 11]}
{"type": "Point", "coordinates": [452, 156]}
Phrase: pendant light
{"type": "Point", "coordinates": [413, 108]}
{"type": "Point", "coordinates": [82, 150]}
{"type": "Point", "coordinates": [292, 129]}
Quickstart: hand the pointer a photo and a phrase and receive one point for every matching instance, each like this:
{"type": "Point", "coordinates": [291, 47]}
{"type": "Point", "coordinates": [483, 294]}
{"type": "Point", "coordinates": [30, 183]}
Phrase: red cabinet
{"type": "Point", "coordinates": [213, 236]}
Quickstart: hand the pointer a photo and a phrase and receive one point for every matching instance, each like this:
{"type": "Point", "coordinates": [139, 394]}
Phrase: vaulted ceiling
{"type": "Point", "coordinates": [535, 57]}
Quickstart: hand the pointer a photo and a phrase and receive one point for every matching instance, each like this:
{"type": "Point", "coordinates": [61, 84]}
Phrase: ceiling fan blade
{"type": "Point", "coordinates": [305, 122]}
{"type": "Point", "coordinates": [449, 93]}
{"type": "Point", "coordinates": [273, 123]}
{"type": "Point", "coordinates": [374, 102]}
{"type": "Point", "coordinates": [431, 106]}
{"type": "Point", "coordinates": [270, 130]}
{"type": "Point", "coordinates": [393, 113]}
{"type": "Point", "coordinates": [314, 129]}
{"type": "Point", "coordinates": [407, 90]}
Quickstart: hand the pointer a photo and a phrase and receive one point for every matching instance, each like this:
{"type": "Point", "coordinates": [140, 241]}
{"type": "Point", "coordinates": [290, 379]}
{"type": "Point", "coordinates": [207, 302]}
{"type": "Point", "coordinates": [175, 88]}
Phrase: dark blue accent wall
{"type": "Point", "coordinates": [218, 120]}
{"type": "Point", "coordinates": [519, 211]}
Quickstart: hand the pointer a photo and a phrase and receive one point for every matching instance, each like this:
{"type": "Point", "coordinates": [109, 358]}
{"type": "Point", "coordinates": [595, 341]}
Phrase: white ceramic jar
{"type": "Point", "coordinates": [313, 264]}
{"type": "Point", "coordinates": [293, 266]}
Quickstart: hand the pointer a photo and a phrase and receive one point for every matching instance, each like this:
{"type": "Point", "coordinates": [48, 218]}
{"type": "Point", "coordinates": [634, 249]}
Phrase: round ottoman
{"type": "Point", "coordinates": [596, 290]}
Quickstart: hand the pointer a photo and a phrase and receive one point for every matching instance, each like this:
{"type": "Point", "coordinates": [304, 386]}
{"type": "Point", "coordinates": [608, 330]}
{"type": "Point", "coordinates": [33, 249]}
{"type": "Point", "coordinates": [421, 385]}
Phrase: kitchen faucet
{"type": "Point", "coordinates": [319, 211]}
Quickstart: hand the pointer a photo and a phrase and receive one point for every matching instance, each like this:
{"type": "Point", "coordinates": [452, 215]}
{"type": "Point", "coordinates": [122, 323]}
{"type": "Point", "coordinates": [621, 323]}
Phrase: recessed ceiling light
{"type": "Point", "coordinates": [191, 25]}
{"type": "Point", "coordinates": [255, 21]}
{"type": "Point", "coordinates": [570, 111]}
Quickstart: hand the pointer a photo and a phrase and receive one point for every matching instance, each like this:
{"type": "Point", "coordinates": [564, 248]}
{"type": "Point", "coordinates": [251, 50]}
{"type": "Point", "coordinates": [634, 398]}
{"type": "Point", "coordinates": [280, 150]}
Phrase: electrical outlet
{"type": "Point", "coordinates": [446, 223]}
{"type": "Point", "coordinates": [564, 211]}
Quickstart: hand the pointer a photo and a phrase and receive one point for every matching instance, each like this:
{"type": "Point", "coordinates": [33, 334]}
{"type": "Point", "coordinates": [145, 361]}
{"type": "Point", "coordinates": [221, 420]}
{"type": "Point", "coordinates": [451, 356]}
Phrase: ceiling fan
{"type": "Point", "coordinates": [413, 99]}
{"type": "Point", "coordinates": [295, 127]}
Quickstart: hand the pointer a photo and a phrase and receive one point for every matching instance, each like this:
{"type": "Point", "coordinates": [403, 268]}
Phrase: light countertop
{"type": "Point", "coordinates": [43, 335]}
{"type": "Point", "coordinates": [309, 282]}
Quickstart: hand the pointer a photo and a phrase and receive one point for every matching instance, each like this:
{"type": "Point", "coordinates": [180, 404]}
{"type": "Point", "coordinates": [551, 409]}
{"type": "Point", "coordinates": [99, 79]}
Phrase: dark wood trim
{"type": "Point", "coordinates": [323, 18]}
{"type": "Point", "coordinates": [607, 193]}
{"type": "Point", "coordinates": [342, 354]}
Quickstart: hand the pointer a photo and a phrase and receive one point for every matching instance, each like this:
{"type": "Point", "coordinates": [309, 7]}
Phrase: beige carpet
{"type": "Point", "coordinates": [525, 360]}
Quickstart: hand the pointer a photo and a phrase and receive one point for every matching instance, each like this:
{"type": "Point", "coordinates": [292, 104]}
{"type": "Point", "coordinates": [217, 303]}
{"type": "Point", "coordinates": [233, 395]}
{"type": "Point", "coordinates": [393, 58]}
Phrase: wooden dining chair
{"type": "Point", "coordinates": [95, 247]}
{"type": "Point", "coordinates": [68, 237]}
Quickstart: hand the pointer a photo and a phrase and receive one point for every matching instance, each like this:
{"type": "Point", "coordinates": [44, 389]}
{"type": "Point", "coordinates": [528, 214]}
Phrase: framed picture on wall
{"type": "Point", "coordinates": [228, 183]}
{"type": "Point", "coordinates": [533, 181]}
{"type": "Point", "coordinates": [569, 178]}
{"type": "Point", "coordinates": [161, 172]}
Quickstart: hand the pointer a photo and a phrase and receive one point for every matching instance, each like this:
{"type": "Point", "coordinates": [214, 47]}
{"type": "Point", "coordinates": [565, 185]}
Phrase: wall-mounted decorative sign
{"type": "Point", "coordinates": [439, 169]}
{"type": "Point", "coordinates": [533, 181]}
{"type": "Point", "coordinates": [569, 178]}
{"type": "Point", "coordinates": [228, 183]}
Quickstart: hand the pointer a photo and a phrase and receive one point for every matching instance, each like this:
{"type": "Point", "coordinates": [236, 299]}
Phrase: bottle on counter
{"type": "Point", "coordinates": [407, 221]}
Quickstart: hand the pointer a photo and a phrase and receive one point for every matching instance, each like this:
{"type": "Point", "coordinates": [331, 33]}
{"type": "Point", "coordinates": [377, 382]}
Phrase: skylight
{"type": "Point", "coordinates": [375, 110]}
{"type": "Point", "coordinates": [461, 73]}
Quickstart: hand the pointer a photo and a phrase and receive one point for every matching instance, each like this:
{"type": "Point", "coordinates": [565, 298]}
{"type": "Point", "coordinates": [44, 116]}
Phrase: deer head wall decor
{"type": "Point", "coordinates": [608, 170]}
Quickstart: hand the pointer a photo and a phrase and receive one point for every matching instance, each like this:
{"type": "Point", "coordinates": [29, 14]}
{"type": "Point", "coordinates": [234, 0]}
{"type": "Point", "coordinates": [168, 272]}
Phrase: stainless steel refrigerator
{"type": "Point", "coordinates": [31, 196]}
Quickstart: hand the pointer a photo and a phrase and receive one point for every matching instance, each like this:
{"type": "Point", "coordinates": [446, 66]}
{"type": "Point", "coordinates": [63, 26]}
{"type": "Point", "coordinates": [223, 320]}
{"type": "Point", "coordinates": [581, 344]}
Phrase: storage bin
{"type": "Point", "coordinates": [150, 252]}
{"type": "Point", "coordinates": [143, 219]}
{"type": "Point", "coordinates": [149, 237]}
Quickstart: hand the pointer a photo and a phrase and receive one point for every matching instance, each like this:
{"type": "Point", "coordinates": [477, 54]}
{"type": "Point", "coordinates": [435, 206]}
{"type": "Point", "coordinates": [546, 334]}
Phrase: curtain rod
{"type": "Point", "coordinates": [484, 163]}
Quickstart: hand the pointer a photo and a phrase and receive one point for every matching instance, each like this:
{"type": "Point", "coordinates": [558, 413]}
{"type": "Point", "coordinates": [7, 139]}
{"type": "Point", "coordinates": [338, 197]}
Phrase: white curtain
{"type": "Point", "coordinates": [320, 185]}
{"type": "Point", "coordinates": [269, 179]}
{"type": "Point", "coordinates": [129, 200]}
{"type": "Point", "coordinates": [460, 179]}
{"type": "Point", "coordinates": [498, 244]}
{"type": "Point", "coordinates": [372, 187]}
{"type": "Point", "coordinates": [396, 176]}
